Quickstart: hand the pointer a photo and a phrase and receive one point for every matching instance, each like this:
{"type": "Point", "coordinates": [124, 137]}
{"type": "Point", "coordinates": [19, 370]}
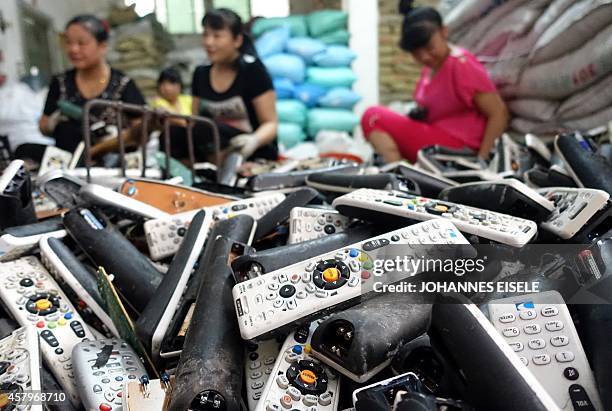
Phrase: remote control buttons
{"type": "Point", "coordinates": [330, 274]}
{"type": "Point", "coordinates": [374, 244]}
{"type": "Point", "coordinates": [554, 325]}
{"type": "Point", "coordinates": [287, 291]}
{"type": "Point", "coordinates": [580, 398]}
{"type": "Point", "coordinates": [571, 373]}
{"type": "Point", "coordinates": [559, 341]}
{"type": "Point", "coordinates": [437, 208]}
{"type": "Point", "coordinates": [329, 229]}
{"type": "Point", "coordinates": [308, 377]}
{"type": "Point", "coordinates": [26, 282]}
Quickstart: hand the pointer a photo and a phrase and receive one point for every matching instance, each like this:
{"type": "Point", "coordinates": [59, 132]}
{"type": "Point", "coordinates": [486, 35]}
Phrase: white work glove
{"type": "Point", "coordinates": [54, 119]}
{"type": "Point", "coordinates": [246, 144]}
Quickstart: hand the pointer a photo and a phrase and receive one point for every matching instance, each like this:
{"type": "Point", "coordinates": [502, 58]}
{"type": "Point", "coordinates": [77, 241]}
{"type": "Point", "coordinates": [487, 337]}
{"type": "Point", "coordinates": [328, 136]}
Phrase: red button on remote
{"type": "Point", "coordinates": [105, 407]}
{"type": "Point", "coordinates": [365, 275]}
{"type": "Point", "coordinates": [40, 324]}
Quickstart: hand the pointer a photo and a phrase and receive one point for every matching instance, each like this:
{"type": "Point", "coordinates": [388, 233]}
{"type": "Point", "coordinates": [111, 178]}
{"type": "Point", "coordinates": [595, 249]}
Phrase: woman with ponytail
{"type": "Point", "coordinates": [86, 44]}
{"type": "Point", "coordinates": [457, 104]}
{"type": "Point", "coordinates": [235, 90]}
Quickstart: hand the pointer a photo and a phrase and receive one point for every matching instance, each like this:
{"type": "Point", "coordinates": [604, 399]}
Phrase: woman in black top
{"type": "Point", "coordinates": [235, 89]}
{"type": "Point", "coordinates": [86, 45]}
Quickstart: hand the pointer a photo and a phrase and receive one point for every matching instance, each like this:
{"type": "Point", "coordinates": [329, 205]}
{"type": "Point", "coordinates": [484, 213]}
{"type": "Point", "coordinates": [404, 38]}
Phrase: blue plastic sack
{"type": "Point", "coordinates": [331, 76]}
{"type": "Point", "coordinates": [284, 88]}
{"type": "Point", "coordinates": [286, 65]}
{"type": "Point", "coordinates": [335, 56]}
{"type": "Point", "coordinates": [305, 47]}
{"type": "Point", "coordinates": [331, 119]}
{"type": "Point", "coordinates": [290, 134]}
{"type": "Point", "coordinates": [325, 21]}
{"type": "Point", "coordinates": [291, 111]}
{"type": "Point", "coordinates": [309, 94]}
{"type": "Point", "coordinates": [297, 25]}
{"type": "Point", "coordinates": [272, 42]}
{"type": "Point", "coordinates": [340, 97]}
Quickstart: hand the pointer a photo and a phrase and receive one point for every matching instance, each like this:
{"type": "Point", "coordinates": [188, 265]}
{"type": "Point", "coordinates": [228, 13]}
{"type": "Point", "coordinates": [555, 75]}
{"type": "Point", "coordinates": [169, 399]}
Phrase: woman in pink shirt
{"type": "Point", "coordinates": [458, 105]}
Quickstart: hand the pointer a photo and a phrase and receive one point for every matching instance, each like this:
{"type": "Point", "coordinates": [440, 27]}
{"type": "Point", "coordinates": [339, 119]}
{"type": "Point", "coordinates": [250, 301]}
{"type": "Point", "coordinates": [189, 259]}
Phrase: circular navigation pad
{"type": "Point", "coordinates": [43, 304]}
{"type": "Point", "coordinates": [330, 274]}
{"type": "Point", "coordinates": [308, 377]}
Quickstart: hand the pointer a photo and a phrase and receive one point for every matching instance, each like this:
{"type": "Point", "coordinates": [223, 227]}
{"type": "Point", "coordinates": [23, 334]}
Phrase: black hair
{"type": "Point", "coordinates": [222, 18]}
{"type": "Point", "coordinates": [420, 23]}
{"type": "Point", "coordinates": [170, 75]}
{"type": "Point", "coordinates": [97, 27]}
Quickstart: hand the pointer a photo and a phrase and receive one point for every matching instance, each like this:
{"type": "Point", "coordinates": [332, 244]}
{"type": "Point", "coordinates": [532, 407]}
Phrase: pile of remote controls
{"type": "Point", "coordinates": [254, 292]}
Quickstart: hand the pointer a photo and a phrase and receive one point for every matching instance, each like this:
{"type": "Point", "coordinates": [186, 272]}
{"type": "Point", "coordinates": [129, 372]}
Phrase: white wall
{"type": "Point", "coordinates": [363, 26]}
{"type": "Point", "coordinates": [59, 11]}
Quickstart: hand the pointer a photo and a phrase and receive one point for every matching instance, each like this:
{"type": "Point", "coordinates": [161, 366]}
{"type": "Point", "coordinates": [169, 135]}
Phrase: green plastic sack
{"type": "Point", "coordinates": [296, 23]}
{"type": "Point", "coordinates": [330, 76]}
{"type": "Point", "coordinates": [291, 111]}
{"type": "Point", "coordinates": [331, 119]}
{"type": "Point", "coordinates": [290, 134]}
{"type": "Point", "coordinates": [338, 37]}
{"type": "Point", "coordinates": [325, 21]}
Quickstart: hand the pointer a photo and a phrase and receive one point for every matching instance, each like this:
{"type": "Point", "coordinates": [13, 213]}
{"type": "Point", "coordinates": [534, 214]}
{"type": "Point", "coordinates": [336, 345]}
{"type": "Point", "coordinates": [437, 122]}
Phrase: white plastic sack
{"type": "Point", "coordinates": [340, 142]}
{"type": "Point", "coordinates": [601, 118]}
{"type": "Point", "coordinates": [576, 71]}
{"type": "Point", "coordinates": [535, 109]}
{"type": "Point", "coordinates": [468, 10]}
{"type": "Point", "coordinates": [591, 100]}
{"type": "Point", "coordinates": [512, 25]}
{"type": "Point", "coordinates": [573, 29]}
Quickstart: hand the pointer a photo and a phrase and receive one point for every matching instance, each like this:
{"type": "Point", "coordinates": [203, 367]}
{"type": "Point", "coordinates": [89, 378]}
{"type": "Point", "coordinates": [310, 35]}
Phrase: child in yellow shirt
{"type": "Point", "coordinates": [169, 88]}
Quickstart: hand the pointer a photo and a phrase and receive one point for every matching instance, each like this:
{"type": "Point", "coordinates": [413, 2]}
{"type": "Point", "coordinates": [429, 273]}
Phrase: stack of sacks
{"type": "Point", "coordinates": [139, 49]}
{"type": "Point", "coordinates": [551, 59]}
{"type": "Point", "coordinates": [309, 61]}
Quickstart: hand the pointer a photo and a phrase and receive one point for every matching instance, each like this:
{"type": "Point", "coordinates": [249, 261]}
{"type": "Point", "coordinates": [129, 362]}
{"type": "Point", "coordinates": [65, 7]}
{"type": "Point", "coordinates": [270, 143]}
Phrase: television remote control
{"type": "Point", "coordinates": [311, 223]}
{"type": "Point", "coordinates": [258, 367]}
{"type": "Point", "coordinates": [105, 197]}
{"type": "Point", "coordinates": [20, 240]}
{"type": "Point", "coordinates": [34, 299]}
{"type": "Point", "coordinates": [540, 330]}
{"type": "Point", "coordinates": [377, 204]}
{"type": "Point", "coordinates": [574, 207]}
{"type": "Point", "coordinates": [308, 288]}
{"type": "Point", "coordinates": [299, 381]}
{"type": "Point", "coordinates": [164, 236]}
{"type": "Point", "coordinates": [69, 271]}
{"type": "Point", "coordinates": [102, 368]}
{"type": "Point", "coordinates": [20, 368]}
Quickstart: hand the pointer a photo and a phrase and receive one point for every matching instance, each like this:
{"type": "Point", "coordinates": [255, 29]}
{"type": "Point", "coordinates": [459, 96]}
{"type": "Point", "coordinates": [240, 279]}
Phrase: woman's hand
{"type": "Point", "coordinates": [247, 144]}
{"type": "Point", "coordinates": [493, 107]}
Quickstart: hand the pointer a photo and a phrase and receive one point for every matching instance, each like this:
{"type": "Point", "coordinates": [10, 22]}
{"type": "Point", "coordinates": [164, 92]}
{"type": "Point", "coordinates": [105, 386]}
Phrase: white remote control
{"type": "Point", "coordinates": [311, 223]}
{"type": "Point", "coordinates": [299, 381]}
{"type": "Point", "coordinates": [293, 293]}
{"type": "Point", "coordinates": [103, 196]}
{"type": "Point", "coordinates": [34, 299]}
{"type": "Point", "coordinates": [20, 240]}
{"type": "Point", "coordinates": [494, 226]}
{"type": "Point", "coordinates": [164, 236]}
{"type": "Point", "coordinates": [258, 367]}
{"type": "Point", "coordinates": [102, 368]}
{"type": "Point", "coordinates": [20, 367]}
{"type": "Point", "coordinates": [574, 207]}
{"type": "Point", "coordinates": [51, 257]}
{"type": "Point", "coordinates": [540, 330]}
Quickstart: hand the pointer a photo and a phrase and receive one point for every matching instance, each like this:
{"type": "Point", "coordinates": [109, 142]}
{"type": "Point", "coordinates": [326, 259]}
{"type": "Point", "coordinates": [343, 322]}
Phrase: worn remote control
{"type": "Point", "coordinates": [102, 368]}
{"type": "Point", "coordinates": [574, 207]}
{"type": "Point", "coordinates": [164, 236]}
{"type": "Point", "coordinates": [378, 205]}
{"type": "Point", "coordinates": [34, 299]}
{"type": "Point", "coordinates": [311, 223]}
{"type": "Point", "coordinates": [107, 198]}
{"type": "Point", "coordinates": [18, 241]}
{"type": "Point", "coordinates": [258, 367]}
{"type": "Point", "coordinates": [540, 330]}
{"type": "Point", "coordinates": [20, 368]}
{"type": "Point", "coordinates": [298, 380]}
{"type": "Point", "coordinates": [309, 288]}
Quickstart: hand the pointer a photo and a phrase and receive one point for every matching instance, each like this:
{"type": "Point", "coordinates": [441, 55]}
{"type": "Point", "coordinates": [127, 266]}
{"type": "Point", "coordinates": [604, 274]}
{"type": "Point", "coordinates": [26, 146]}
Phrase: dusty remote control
{"type": "Point", "coordinates": [105, 197]}
{"type": "Point", "coordinates": [308, 288]}
{"type": "Point", "coordinates": [574, 207]}
{"type": "Point", "coordinates": [102, 368]}
{"type": "Point", "coordinates": [311, 223]}
{"type": "Point", "coordinates": [377, 204]}
{"type": "Point", "coordinates": [258, 367]}
{"type": "Point", "coordinates": [540, 330]}
{"type": "Point", "coordinates": [20, 240]}
{"type": "Point", "coordinates": [34, 299]}
{"type": "Point", "coordinates": [298, 380]}
{"type": "Point", "coordinates": [164, 236]}
{"type": "Point", "coordinates": [20, 368]}
{"type": "Point", "coordinates": [69, 271]}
